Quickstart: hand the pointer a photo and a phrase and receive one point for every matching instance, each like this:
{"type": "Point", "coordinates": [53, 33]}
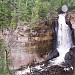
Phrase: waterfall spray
{"type": "Point", "coordinates": [64, 40]}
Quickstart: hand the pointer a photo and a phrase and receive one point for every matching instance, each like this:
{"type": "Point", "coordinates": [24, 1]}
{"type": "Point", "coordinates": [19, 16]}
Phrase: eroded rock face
{"type": "Point", "coordinates": [72, 19]}
{"type": "Point", "coordinates": [22, 52]}
{"type": "Point", "coordinates": [26, 45]}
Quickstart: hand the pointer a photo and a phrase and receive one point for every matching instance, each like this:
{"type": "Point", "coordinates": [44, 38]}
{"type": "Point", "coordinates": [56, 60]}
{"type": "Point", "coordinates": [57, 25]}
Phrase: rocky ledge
{"type": "Point", "coordinates": [43, 69]}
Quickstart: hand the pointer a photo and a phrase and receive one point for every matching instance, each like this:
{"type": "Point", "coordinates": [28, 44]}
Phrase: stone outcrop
{"type": "Point", "coordinates": [72, 19]}
{"type": "Point", "coordinates": [26, 45]}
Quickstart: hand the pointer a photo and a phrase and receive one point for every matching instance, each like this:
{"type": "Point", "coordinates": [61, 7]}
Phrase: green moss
{"type": "Point", "coordinates": [4, 70]}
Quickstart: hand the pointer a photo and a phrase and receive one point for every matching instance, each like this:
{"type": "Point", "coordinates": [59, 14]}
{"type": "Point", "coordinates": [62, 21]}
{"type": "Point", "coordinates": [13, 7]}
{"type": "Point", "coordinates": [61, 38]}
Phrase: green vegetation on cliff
{"type": "Point", "coordinates": [13, 12]}
{"type": "Point", "coordinates": [4, 70]}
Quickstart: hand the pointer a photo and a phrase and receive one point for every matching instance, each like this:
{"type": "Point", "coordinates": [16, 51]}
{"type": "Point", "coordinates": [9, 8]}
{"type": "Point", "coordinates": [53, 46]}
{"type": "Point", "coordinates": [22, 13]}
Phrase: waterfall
{"type": "Point", "coordinates": [64, 40]}
{"type": "Point", "coordinates": [64, 43]}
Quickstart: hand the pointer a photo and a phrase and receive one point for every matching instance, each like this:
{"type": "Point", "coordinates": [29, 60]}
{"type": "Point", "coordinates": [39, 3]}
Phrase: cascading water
{"type": "Point", "coordinates": [64, 40]}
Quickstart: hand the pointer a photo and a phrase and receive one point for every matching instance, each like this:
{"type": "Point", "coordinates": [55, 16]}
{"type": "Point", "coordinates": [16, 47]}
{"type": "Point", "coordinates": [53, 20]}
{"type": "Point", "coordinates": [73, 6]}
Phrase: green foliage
{"type": "Point", "coordinates": [3, 69]}
{"type": "Point", "coordinates": [13, 11]}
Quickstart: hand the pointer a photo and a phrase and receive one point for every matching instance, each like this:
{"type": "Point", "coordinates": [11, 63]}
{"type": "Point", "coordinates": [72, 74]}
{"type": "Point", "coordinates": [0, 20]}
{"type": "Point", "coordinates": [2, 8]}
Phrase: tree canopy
{"type": "Point", "coordinates": [12, 12]}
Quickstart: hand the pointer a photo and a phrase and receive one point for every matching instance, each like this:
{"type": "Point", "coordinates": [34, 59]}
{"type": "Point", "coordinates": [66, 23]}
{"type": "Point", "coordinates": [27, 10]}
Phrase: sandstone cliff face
{"type": "Point", "coordinates": [26, 45]}
{"type": "Point", "coordinates": [72, 19]}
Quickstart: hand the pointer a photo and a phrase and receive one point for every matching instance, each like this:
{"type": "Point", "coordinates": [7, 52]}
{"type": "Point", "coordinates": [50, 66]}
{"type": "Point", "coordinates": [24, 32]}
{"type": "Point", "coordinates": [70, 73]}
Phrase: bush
{"type": "Point", "coordinates": [3, 60]}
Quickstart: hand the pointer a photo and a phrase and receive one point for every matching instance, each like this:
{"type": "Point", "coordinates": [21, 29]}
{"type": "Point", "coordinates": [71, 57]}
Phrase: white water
{"type": "Point", "coordinates": [64, 40]}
